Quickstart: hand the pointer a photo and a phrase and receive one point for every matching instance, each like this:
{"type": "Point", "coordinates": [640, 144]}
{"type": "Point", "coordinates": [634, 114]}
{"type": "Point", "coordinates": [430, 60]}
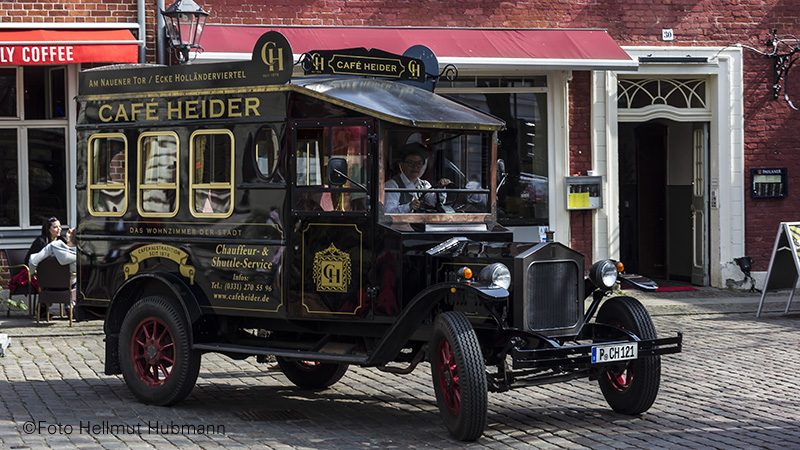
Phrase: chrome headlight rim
{"type": "Point", "coordinates": [496, 275]}
{"type": "Point", "coordinates": [604, 274]}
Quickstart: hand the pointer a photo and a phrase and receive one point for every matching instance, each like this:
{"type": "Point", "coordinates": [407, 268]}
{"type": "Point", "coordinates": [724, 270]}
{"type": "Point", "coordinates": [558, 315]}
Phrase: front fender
{"type": "Point", "coordinates": [138, 287]}
{"type": "Point", "coordinates": [418, 309]}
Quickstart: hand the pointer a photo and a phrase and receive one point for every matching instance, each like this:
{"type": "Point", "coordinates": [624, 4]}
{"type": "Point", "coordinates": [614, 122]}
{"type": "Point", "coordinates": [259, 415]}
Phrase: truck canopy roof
{"type": "Point", "coordinates": [397, 103]}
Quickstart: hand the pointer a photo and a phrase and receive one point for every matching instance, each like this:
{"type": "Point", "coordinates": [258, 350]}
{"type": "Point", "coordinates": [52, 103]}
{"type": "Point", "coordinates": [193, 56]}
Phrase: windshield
{"type": "Point", "coordinates": [437, 176]}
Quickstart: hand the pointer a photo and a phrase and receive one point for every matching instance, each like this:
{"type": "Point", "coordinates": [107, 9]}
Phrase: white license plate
{"type": "Point", "coordinates": [614, 352]}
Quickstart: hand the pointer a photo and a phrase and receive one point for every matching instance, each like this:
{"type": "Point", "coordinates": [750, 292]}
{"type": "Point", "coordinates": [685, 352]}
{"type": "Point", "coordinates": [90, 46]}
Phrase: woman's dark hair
{"type": "Point", "coordinates": [46, 226]}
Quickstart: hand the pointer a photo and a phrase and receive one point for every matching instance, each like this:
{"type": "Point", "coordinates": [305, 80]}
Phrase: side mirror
{"type": "Point", "coordinates": [501, 174]}
{"type": "Point", "coordinates": [501, 169]}
{"type": "Point", "coordinates": [337, 170]}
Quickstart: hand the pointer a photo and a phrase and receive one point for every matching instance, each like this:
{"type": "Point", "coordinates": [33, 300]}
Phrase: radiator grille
{"type": "Point", "coordinates": [552, 296]}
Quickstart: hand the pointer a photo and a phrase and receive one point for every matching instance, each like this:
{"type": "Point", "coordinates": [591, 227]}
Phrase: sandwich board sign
{"type": "Point", "coordinates": [784, 266]}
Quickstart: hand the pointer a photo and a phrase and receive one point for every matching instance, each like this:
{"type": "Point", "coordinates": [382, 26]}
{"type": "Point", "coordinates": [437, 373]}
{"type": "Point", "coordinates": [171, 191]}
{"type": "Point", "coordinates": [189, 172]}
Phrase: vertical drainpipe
{"type": "Point", "coordinates": [142, 33]}
{"type": "Point", "coordinates": [160, 38]}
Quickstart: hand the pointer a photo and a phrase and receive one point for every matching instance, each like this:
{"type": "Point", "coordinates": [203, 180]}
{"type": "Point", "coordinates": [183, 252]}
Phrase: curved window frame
{"type": "Point", "coordinates": [274, 174]}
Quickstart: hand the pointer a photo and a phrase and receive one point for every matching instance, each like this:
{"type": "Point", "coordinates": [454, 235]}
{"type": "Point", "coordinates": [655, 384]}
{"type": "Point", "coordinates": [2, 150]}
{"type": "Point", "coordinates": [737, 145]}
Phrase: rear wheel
{"type": "Point", "coordinates": [459, 376]}
{"type": "Point", "coordinates": [311, 374]}
{"type": "Point", "coordinates": [630, 387]}
{"type": "Point", "coordinates": [157, 361]}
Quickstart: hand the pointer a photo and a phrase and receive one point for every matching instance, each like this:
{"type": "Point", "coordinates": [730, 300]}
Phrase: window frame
{"type": "Point", "coordinates": [302, 192]}
{"type": "Point", "coordinates": [19, 104]}
{"type": "Point", "coordinates": [90, 186]}
{"type": "Point", "coordinates": [213, 185]}
{"type": "Point", "coordinates": [163, 186]}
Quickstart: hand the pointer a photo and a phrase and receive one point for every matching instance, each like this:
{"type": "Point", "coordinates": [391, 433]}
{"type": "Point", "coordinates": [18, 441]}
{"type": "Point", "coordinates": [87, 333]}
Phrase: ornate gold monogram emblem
{"type": "Point", "coordinates": [332, 270]}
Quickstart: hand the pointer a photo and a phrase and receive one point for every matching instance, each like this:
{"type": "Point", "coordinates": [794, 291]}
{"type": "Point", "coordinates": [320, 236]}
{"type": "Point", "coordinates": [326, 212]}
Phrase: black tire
{"type": "Point", "coordinates": [630, 387]}
{"type": "Point", "coordinates": [156, 356]}
{"type": "Point", "coordinates": [459, 376]}
{"type": "Point", "coordinates": [311, 374]}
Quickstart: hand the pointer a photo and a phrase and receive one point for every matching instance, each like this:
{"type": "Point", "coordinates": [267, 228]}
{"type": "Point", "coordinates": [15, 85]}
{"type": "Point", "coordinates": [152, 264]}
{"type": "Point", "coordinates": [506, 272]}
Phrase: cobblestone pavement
{"type": "Point", "coordinates": [734, 386]}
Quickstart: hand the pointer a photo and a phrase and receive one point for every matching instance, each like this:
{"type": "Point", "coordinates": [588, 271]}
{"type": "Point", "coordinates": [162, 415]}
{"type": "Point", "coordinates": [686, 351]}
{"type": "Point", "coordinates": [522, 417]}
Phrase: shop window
{"type": "Point", "coordinates": [108, 175]}
{"type": "Point", "coordinates": [524, 197]}
{"type": "Point", "coordinates": [8, 93]}
{"type": "Point", "coordinates": [211, 173]}
{"type": "Point", "coordinates": [158, 174]}
{"type": "Point", "coordinates": [45, 92]}
{"type": "Point", "coordinates": [47, 168]}
{"type": "Point", "coordinates": [535, 81]}
{"type": "Point", "coordinates": [315, 146]}
{"type": "Point", "coordinates": [33, 159]}
{"type": "Point", "coordinates": [9, 178]}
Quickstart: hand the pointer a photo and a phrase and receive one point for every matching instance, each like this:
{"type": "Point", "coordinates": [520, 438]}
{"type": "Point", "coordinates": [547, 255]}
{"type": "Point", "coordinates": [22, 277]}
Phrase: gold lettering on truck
{"type": "Point", "coordinates": [160, 251]}
{"type": "Point", "coordinates": [194, 109]}
{"type": "Point", "coordinates": [270, 58]}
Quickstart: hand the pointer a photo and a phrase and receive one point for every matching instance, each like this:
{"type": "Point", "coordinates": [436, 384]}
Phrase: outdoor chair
{"type": "Point", "coordinates": [16, 264]}
{"type": "Point", "coordinates": [55, 286]}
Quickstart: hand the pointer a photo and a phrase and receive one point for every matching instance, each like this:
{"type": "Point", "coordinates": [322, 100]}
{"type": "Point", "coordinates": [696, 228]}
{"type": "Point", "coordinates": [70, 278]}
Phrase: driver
{"type": "Point", "coordinates": [413, 162]}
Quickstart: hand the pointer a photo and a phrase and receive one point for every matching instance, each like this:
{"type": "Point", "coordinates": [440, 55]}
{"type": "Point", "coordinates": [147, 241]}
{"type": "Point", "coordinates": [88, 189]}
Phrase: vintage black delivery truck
{"type": "Point", "coordinates": [343, 218]}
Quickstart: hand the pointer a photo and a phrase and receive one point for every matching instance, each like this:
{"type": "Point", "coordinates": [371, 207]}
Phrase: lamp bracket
{"type": "Point", "coordinates": [783, 50]}
{"type": "Point", "coordinates": [783, 53]}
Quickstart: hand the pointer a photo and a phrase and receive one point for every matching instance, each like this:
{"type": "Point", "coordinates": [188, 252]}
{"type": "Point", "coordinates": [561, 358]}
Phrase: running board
{"type": "Point", "coordinates": [298, 354]}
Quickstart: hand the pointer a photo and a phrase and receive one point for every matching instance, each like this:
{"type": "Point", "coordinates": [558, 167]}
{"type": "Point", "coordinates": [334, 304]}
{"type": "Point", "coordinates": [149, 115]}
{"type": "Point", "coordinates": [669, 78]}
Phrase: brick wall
{"type": "Point", "coordinates": [89, 11]}
{"type": "Point", "coordinates": [580, 157]}
{"type": "Point", "coordinates": [4, 275]}
{"type": "Point", "coordinates": [770, 125]}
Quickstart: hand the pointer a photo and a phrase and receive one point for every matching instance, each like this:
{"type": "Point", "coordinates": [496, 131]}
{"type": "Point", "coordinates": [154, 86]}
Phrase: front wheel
{"type": "Point", "coordinates": [459, 376]}
{"type": "Point", "coordinates": [311, 374]}
{"type": "Point", "coordinates": [630, 387]}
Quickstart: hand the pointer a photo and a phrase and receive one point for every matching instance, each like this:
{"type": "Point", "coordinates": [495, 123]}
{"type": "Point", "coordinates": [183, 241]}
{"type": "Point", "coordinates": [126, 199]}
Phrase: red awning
{"type": "Point", "coordinates": [556, 49]}
{"type": "Point", "coordinates": [26, 47]}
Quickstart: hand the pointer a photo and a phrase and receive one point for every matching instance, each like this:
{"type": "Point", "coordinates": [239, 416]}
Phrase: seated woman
{"type": "Point", "coordinates": [51, 233]}
{"type": "Point", "coordinates": [413, 162]}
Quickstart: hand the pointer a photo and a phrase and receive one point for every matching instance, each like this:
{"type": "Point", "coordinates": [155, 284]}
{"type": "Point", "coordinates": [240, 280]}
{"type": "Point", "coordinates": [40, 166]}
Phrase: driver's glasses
{"type": "Point", "coordinates": [414, 164]}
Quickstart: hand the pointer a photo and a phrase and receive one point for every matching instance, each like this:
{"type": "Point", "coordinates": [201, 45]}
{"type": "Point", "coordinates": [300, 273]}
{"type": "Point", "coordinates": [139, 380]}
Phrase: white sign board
{"type": "Point", "coordinates": [784, 266]}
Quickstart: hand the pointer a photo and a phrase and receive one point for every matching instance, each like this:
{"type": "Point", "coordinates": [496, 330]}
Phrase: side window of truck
{"type": "Point", "coordinates": [107, 175]}
{"type": "Point", "coordinates": [158, 174]}
{"type": "Point", "coordinates": [267, 153]}
{"type": "Point", "coordinates": [315, 146]}
{"type": "Point", "coordinates": [211, 173]}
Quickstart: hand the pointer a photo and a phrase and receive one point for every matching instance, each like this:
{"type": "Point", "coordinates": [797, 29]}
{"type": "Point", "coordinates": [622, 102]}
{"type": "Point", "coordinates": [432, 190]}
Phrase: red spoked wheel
{"type": "Point", "coordinates": [459, 376]}
{"type": "Point", "coordinates": [156, 356]}
{"type": "Point", "coordinates": [152, 351]}
{"type": "Point", "coordinates": [630, 387]}
{"type": "Point", "coordinates": [448, 377]}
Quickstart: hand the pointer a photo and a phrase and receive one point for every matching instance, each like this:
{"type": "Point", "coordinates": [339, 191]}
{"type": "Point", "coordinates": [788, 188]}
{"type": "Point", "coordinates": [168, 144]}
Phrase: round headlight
{"type": "Point", "coordinates": [604, 274]}
{"type": "Point", "coordinates": [496, 274]}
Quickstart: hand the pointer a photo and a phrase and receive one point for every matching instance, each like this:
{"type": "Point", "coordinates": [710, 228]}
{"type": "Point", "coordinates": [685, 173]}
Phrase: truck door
{"type": "Point", "coordinates": [331, 237]}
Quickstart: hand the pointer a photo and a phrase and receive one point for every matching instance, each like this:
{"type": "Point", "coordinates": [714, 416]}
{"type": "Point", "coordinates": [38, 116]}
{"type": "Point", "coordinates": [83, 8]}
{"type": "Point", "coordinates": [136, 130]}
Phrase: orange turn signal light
{"type": "Point", "coordinates": [620, 267]}
{"type": "Point", "coordinates": [465, 273]}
